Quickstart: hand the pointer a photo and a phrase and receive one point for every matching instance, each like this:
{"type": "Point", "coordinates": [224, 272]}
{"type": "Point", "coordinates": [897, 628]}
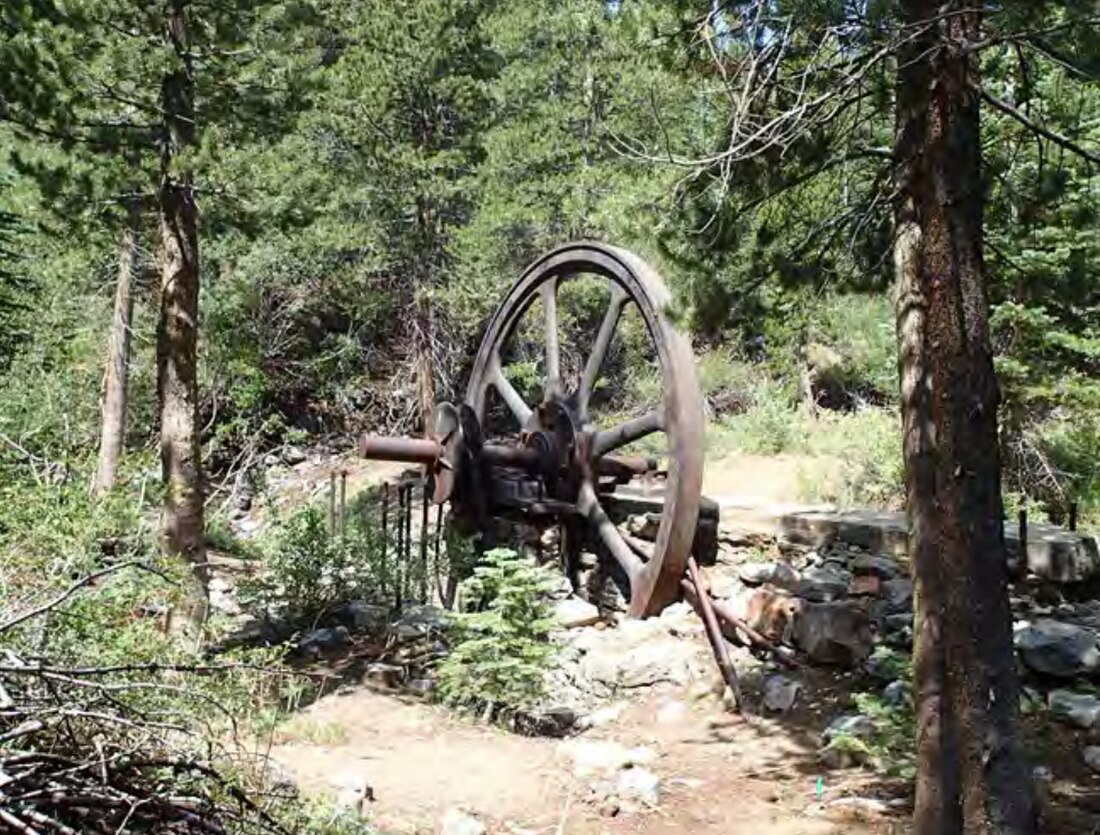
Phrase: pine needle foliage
{"type": "Point", "coordinates": [498, 663]}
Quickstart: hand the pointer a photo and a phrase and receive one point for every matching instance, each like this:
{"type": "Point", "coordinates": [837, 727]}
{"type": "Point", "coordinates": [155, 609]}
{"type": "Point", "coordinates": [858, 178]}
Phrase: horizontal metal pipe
{"type": "Point", "coordinates": [411, 450]}
{"type": "Point", "coordinates": [426, 451]}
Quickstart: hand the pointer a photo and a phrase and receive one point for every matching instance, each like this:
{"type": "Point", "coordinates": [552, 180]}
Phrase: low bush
{"type": "Point", "coordinates": [308, 569]}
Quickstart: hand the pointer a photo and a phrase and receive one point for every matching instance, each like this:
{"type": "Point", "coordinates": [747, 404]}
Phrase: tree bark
{"type": "Point", "coordinates": [116, 377]}
{"type": "Point", "coordinates": [972, 773]}
{"type": "Point", "coordinates": [181, 522]}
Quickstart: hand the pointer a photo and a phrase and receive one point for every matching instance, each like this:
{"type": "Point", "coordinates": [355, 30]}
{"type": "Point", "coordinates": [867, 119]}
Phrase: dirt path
{"type": "Point", "coordinates": [719, 774]}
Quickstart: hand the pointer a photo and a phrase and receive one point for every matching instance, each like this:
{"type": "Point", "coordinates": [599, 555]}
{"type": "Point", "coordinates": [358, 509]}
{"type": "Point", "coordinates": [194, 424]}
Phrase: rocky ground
{"type": "Point", "coordinates": [639, 735]}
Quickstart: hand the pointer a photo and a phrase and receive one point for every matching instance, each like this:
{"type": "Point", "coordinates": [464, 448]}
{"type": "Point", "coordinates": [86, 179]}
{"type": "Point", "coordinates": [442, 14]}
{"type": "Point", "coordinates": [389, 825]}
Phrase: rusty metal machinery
{"type": "Point", "coordinates": [554, 464]}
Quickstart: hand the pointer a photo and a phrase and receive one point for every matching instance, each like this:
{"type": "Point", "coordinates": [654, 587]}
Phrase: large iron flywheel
{"type": "Point", "coordinates": [582, 453]}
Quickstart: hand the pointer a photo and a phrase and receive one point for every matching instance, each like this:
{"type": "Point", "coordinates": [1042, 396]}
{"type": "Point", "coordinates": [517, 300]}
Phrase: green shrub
{"type": "Point", "coordinates": [891, 749]}
{"type": "Point", "coordinates": [307, 569]}
{"type": "Point", "coordinates": [498, 663]}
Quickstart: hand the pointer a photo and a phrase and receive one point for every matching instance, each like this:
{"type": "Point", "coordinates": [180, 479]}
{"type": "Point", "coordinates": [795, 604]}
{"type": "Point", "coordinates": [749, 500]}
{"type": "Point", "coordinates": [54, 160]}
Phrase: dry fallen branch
{"type": "Point", "coordinates": [117, 749]}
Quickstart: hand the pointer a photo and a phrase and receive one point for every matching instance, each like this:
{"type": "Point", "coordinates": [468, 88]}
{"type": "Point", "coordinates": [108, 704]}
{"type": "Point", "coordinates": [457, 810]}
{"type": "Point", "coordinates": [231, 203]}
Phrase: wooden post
{"type": "Point", "coordinates": [1073, 515]}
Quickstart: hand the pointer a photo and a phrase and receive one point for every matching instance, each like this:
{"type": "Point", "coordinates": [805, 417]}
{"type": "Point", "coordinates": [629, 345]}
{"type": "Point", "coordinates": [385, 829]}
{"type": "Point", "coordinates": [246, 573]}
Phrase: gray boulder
{"type": "Point", "coordinates": [825, 583]}
{"type": "Point", "coordinates": [832, 633]}
{"type": "Point", "coordinates": [1091, 756]}
{"type": "Point", "coordinates": [779, 574]}
{"type": "Point", "coordinates": [780, 693]}
{"type": "Point", "coordinates": [898, 596]}
{"type": "Point", "coordinates": [851, 725]}
{"type": "Point", "coordinates": [885, 568]}
{"type": "Point", "coordinates": [420, 622]}
{"type": "Point", "coordinates": [1080, 709]}
{"type": "Point", "coordinates": [324, 640]}
{"type": "Point", "coordinates": [1057, 649]}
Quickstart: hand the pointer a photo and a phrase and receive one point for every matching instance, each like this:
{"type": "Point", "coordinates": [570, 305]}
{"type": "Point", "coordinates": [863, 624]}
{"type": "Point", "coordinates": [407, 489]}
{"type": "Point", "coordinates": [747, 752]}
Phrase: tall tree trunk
{"type": "Point", "coordinates": [424, 335]}
{"type": "Point", "coordinates": [181, 523]}
{"type": "Point", "coordinates": [116, 377]}
{"type": "Point", "coordinates": [973, 775]}
{"type": "Point", "coordinates": [425, 366]}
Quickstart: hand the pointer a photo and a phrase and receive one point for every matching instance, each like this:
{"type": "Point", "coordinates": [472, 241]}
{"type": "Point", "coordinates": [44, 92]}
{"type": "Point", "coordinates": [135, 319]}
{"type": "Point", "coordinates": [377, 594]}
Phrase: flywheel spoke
{"type": "Point", "coordinates": [599, 348]}
{"type": "Point", "coordinates": [512, 398]}
{"type": "Point", "coordinates": [589, 505]}
{"type": "Point", "coordinates": [608, 440]}
{"type": "Point", "coordinates": [553, 354]}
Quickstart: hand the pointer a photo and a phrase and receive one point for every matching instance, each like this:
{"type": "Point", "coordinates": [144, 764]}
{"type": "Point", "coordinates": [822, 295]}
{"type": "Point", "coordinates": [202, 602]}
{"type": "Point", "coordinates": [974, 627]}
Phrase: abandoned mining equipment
{"type": "Point", "coordinates": [553, 467]}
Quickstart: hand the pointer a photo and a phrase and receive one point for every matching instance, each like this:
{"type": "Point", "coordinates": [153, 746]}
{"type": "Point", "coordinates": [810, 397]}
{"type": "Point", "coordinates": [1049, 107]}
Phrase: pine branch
{"type": "Point", "coordinates": [1057, 138]}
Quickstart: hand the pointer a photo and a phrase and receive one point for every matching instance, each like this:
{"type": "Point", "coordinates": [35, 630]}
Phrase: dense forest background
{"type": "Point", "coordinates": [370, 180]}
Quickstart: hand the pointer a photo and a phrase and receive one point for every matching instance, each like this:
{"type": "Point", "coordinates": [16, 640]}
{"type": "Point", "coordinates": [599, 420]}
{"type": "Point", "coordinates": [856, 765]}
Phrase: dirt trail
{"type": "Point", "coordinates": [719, 773]}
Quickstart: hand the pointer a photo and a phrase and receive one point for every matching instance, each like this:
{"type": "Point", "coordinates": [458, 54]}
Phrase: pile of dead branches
{"type": "Point", "coordinates": [120, 749]}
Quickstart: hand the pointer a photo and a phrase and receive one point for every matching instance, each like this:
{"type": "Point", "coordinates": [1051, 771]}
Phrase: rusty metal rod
{"type": "Point", "coordinates": [406, 574]}
{"type": "Point", "coordinates": [400, 545]}
{"type": "Point", "coordinates": [424, 540]}
{"type": "Point", "coordinates": [714, 633]}
{"type": "Point", "coordinates": [385, 520]}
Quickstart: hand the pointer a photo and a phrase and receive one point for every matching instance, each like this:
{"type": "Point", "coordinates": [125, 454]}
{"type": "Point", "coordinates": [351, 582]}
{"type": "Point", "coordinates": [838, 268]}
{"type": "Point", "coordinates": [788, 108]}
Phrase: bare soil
{"type": "Point", "coordinates": [720, 773]}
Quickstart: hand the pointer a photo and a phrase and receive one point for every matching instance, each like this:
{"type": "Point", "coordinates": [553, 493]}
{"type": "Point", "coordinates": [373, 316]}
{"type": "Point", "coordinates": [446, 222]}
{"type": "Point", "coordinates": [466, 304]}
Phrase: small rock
{"type": "Point", "coordinates": [419, 622]}
{"type": "Point", "coordinates": [780, 693]}
{"type": "Point", "coordinates": [856, 808]}
{"type": "Point", "coordinates": [574, 613]}
{"type": "Point", "coordinates": [885, 664]}
{"type": "Point", "coordinates": [363, 616]}
{"type": "Point", "coordinates": [1058, 649]}
{"type": "Point", "coordinates": [293, 455]}
{"type": "Point", "coordinates": [600, 758]}
{"type": "Point", "coordinates": [884, 568]}
{"type": "Point", "coordinates": [600, 717]}
{"type": "Point", "coordinates": [353, 792]}
{"type": "Point", "coordinates": [854, 725]}
{"type": "Point", "coordinates": [866, 585]}
{"type": "Point", "coordinates": [421, 687]}
{"type": "Point", "coordinates": [896, 693]}
{"type": "Point", "coordinates": [779, 574]}
{"type": "Point", "coordinates": [639, 785]}
{"type": "Point", "coordinates": [552, 721]}
{"type": "Point", "coordinates": [459, 822]}
{"type": "Point", "coordinates": [1091, 755]}
{"type": "Point", "coordinates": [899, 622]}
{"type": "Point", "coordinates": [898, 595]}
{"type": "Point", "coordinates": [841, 753]}
{"type": "Point", "coordinates": [324, 640]}
{"type": "Point", "coordinates": [384, 676]}
{"type": "Point", "coordinates": [824, 584]}
{"type": "Point", "coordinates": [671, 713]}
{"type": "Point", "coordinates": [1080, 709]}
